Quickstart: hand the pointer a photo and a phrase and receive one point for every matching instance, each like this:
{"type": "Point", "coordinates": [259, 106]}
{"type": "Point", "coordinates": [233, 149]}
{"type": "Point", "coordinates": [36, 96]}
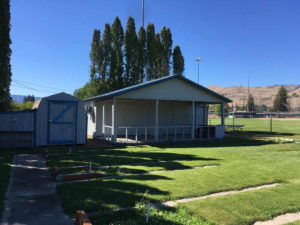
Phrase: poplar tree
{"type": "Point", "coordinates": [107, 56]}
{"type": "Point", "coordinates": [167, 42]}
{"type": "Point", "coordinates": [151, 47]}
{"type": "Point", "coordinates": [5, 53]}
{"type": "Point", "coordinates": [178, 61]}
{"type": "Point", "coordinates": [96, 56]}
{"type": "Point", "coordinates": [131, 54]}
{"type": "Point", "coordinates": [142, 54]}
{"type": "Point", "coordinates": [158, 57]}
{"type": "Point", "coordinates": [117, 55]}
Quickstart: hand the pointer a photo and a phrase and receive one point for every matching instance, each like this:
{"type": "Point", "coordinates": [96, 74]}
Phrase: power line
{"type": "Point", "coordinates": [33, 89]}
{"type": "Point", "coordinates": [39, 85]}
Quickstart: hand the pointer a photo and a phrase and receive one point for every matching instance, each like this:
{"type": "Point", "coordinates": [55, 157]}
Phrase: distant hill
{"type": "Point", "coordinates": [20, 98]}
{"type": "Point", "coordinates": [262, 95]}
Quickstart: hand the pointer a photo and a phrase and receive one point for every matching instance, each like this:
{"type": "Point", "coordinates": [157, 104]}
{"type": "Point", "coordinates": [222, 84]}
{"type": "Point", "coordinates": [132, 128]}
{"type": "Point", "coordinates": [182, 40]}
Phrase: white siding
{"type": "Point", "coordinates": [175, 89]}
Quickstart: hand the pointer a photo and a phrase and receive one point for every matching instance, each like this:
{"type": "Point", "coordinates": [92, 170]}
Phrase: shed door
{"type": "Point", "coordinates": [62, 120]}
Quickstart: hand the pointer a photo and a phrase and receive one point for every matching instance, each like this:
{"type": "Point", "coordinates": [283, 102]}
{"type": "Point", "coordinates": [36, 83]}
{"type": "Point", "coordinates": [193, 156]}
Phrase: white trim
{"type": "Point", "coordinates": [113, 120]}
{"type": "Point", "coordinates": [156, 119]}
{"type": "Point", "coordinates": [193, 120]}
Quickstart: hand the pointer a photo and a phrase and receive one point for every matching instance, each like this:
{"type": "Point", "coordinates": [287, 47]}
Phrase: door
{"type": "Point", "coordinates": [62, 120]}
{"type": "Point", "coordinates": [200, 113]}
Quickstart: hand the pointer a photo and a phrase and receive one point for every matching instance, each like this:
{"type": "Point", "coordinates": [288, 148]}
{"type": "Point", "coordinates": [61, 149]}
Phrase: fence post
{"type": "Point", "coordinates": [271, 125]}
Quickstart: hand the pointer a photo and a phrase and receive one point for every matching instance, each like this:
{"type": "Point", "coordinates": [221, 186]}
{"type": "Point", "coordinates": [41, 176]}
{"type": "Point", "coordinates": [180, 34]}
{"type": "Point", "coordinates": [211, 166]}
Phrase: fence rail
{"type": "Point", "coordinates": [137, 134]}
{"type": "Point", "coordinates": [17, 129]}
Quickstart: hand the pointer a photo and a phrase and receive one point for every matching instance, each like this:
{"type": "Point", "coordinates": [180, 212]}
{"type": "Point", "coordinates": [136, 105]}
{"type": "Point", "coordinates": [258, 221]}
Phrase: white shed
{"type": "Point", "coordinates": [172, 108]}
{"type": "Point", "coordinates": [60, 119]}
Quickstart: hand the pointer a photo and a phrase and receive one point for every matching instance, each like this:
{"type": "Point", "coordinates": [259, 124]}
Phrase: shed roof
{"type": "Point", "coordinates": [58, 96]}
{"type": "Point", "coordinates": [122, 91]}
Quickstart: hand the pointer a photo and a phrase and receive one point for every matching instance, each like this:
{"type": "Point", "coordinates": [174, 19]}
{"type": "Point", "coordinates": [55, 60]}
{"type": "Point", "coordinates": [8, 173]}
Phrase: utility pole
{"type": "Point", "coordinates": [248, 95]}
{"type": "Point", "coordinates": [143, 13]}
{"type": "Point", "coordinates": [198, 60]}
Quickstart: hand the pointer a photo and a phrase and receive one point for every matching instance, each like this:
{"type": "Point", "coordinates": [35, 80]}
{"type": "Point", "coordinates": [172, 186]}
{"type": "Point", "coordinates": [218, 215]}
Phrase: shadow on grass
{"type": "Point", "coordinates": [123, 157]}
{"type": "Point", "coordinates": [135, 217]}
{"type": "Point", "coordinates": [106, 195]}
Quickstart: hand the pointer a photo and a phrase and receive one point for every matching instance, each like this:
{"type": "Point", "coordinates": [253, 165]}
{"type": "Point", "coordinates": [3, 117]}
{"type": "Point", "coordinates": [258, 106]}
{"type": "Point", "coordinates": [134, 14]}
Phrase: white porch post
{"type": "Point", "coordinates": [103, 119]}
{"type": "Point", "coordinates": [113, 121]}
{"type": "Point", "coordinates": [156, 119]}
{"type": "Point", "coordinates": [193, 120]}
{"type": "Point", "coordinates": [222, 114]}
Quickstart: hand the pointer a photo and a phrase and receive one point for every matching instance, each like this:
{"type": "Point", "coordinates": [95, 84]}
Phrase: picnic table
{"type": "Point", "coordinates": [234, 127]}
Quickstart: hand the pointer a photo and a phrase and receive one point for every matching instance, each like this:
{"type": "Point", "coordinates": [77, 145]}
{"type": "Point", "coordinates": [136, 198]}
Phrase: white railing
{"type": "Point", "coordinates": [108, 132]}
{"type": "Point", "coordinates": [137, 134]}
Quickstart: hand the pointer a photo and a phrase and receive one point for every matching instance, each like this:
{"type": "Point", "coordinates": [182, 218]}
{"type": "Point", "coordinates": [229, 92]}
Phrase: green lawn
{"type": "Point", "coordinates": [5, 160]}
{"type": "Point", "coordinates": [240, 162]}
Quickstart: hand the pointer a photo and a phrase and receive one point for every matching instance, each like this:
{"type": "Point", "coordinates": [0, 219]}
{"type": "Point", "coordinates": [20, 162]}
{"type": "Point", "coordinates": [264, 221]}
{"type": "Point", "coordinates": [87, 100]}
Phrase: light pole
{"type": "Point", "coordinates": [143, 13]}
{"type": "Point", "coordinates": [198, 60]}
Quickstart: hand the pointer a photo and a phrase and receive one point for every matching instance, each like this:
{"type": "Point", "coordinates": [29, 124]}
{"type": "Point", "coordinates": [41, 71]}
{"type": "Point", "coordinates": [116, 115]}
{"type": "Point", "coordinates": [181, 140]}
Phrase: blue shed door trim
{"type": "Point", "coordinates": [58, 120]}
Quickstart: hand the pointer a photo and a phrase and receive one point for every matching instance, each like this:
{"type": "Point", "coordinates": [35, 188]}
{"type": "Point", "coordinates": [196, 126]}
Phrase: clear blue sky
{"type": "Point", "coordinates": [51, 39]}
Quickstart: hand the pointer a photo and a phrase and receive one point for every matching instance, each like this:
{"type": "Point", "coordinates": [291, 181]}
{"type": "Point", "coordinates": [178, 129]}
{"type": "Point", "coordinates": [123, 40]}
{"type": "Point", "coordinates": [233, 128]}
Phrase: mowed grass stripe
{"type": "Point", "coordinates": [122, 193]}
{"type": "Point", "coordinates": [249, 207]}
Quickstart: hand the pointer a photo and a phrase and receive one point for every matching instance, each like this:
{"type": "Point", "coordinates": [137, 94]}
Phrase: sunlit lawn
{"type": "Point", "coordinates": [246, 159]}
{"type": "Point", "coordinates": [240, 163]}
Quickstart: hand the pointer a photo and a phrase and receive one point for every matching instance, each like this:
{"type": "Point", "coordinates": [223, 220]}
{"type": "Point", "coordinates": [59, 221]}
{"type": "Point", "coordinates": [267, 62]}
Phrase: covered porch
{"type": "Point", "coordinates": [154, 120]}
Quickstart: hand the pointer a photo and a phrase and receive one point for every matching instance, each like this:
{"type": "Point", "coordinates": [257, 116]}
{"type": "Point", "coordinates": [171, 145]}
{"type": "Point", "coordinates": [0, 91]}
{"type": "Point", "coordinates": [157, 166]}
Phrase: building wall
{"type": "Point", "coordinates": [175, 89]}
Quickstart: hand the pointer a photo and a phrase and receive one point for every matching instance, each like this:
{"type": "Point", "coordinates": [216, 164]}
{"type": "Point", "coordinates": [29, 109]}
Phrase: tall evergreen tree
{"type": "Point", "coordinates": [151, 48]}
{"type": "Point", "coordinates": [158, 71]}
{"type": "Point", "coordinates": [281, 101]}
{"type": "Point", "coordinates": [131, 54]}
{"type": "Point", "coordinates": [142, 54]}
{"type": "Point", "coordinates": [178, 61]}
{"type": "Point", "coordinates": [107, 56]}
{"type": "Point", "coordinates": [5, 53]}
{"type": "Point", "coordinates": [96, 56]}
{"type": "Point", "coordinates": [251, 104]}
{"type": "Point", "coordinates": [116, 75]}
{"type": "Point", "coordinates": [167, 42]}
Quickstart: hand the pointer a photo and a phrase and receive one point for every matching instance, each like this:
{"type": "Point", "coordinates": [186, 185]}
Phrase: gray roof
{"type": "Point", "coordinates": [112, 94]}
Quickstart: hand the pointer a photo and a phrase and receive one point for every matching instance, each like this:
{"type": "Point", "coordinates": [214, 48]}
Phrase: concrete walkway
{"type": "Point", "coordinates": [31, 195]}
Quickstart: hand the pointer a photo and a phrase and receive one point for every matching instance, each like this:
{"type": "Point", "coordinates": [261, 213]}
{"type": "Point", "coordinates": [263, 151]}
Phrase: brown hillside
{"type": "Point", "coordinates": [262, 95]}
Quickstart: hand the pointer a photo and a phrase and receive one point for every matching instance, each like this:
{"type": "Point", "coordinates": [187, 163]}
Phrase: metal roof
{"type": "Point", "coordinates": [112, 94]}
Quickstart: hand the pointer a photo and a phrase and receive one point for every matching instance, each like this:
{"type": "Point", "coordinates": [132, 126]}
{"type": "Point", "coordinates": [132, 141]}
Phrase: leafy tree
{"type": "Point", "coordinates": [218, 108]}
{"type": "Point", "coordinates": [178, 61]}
{"type": "Point", "coordinates": [142, 54]}
{"type": "Point", "coordinates": [151, 54]}
{"type": "Point", "coordinates": [251, 104]}
{"type": "Point", "coordinates": [29, 98]}
{"type": "Point", "coordinates": [280, 103]}
{"type": "Point", "coordinates": [131, 53]}
{"type": "Point", "coordinates": [15, 106]}
{"type": "Point", "coordinates": [167, 43]}
{"type": "Point", "coordinates": [90, 89]}
{"type": "Point", "coordinates": [5, 53]}
{"type": "Point", "coordinates": [116, 75]}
